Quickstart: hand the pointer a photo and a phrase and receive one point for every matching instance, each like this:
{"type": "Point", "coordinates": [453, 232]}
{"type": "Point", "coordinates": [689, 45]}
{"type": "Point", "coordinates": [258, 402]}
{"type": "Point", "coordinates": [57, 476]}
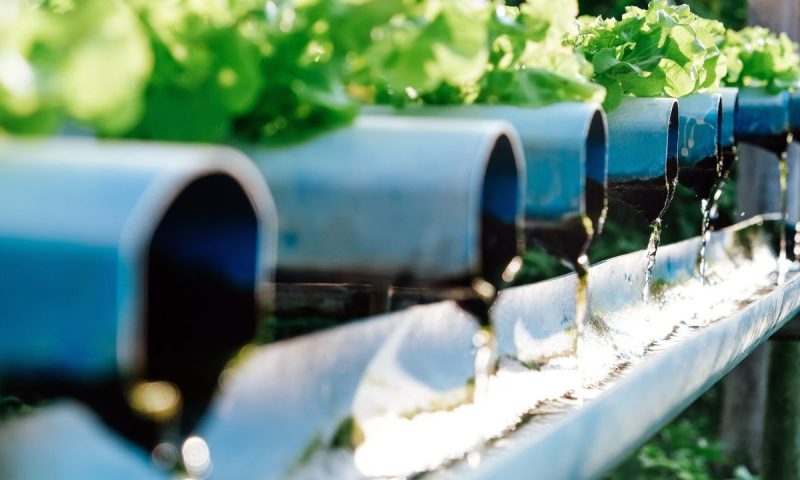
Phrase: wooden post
{"type": "Point", "coordinates": [767, 384]}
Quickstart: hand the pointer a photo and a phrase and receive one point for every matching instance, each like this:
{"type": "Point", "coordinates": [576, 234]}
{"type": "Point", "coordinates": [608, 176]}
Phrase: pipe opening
{"type": "Point", "coordinates": [595, 198]}
{"type": "Point", "coordinates": [671, 163]}
{"type": "Point", "coordinates": [651, 196]}
{"type": "Point", "coordinates": [500, 203]}
{"type": "Point", "coordinates": [201, 276]}
{"type": "Point", "coordinates": [702, 176]}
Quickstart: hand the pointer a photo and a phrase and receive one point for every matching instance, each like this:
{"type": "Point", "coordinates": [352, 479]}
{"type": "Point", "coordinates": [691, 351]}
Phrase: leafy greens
{"type": "Point", "coordinates": [758, 57]}
{"type": "Point", "coordinates": [663, 50]}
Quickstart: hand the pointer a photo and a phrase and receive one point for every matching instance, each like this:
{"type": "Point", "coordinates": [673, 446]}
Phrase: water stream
{"type": "Point", "coordinates": [652, 248]}
{"type": "Point", "coordinates": [709, 209]}
{"type": "Point", "coordinates": [783, 263]}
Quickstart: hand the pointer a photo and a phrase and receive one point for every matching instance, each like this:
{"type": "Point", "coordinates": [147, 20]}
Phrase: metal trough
{"type": "Point", "coordinates": [120, 257]}
{"type": "Point", "coordinates": [763, 119]}
{"type": "Point", "coordinates": [399, 201]}
{"type": "Point", "coordinates": [699, 150]}
{"type": "Point", "coordinates": [393, 395]}
{"type": "Point", "coordinates": [643, 138]}
{"type": "Point", "coordinates": [66, 441]}
{"type": "Point", "coordinates": [565, 148]}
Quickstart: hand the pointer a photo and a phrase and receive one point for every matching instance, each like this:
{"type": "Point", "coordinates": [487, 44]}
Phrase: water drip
{"type": "Point", "coordinates": [652, 249]}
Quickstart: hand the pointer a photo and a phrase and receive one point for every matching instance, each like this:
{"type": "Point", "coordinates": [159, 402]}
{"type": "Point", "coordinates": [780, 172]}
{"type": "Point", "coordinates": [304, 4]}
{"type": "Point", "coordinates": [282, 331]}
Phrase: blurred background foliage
{"type": "Point", "coordinates": [733, 13]}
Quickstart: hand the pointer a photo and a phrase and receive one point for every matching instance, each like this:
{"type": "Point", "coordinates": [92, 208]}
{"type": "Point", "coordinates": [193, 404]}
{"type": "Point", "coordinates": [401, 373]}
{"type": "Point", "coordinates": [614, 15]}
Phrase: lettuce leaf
{"type": "Point", "coordinates": [759, 57]}
{"type": "Point", "coordinates": [663, 50]}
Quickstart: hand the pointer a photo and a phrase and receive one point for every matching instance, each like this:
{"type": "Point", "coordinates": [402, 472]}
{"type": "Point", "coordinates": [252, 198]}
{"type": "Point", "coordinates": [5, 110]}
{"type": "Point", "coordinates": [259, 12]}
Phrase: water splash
{"type": "Point", "coordinates": [709, 207]}
{"type": "Point", "coordinates": [481, 298]}
{"type": "Point", "coordinates": [581, 303]}
{"type": "Point", "coordinates": [652, 249]}
{"type": "Point", "coordinates": [485, 347]}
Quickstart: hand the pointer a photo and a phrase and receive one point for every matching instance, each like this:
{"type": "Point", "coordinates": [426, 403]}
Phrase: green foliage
{"type": "Point", "coordinates": [529, 64]}
{"type": "Point", "coordinates": [454, 52]}
{"type": "Point", "coordinates": [429, 49]}
{"type": "Point", "coordinates": [12, 407]}
{"type": "Point", "coordinates": [661, 51]}
{"type": "Point", "coordinates": [758, 57]}
{"type": "Point", "coordinates": [181, 70]}
{"type": "Point", "coordinates": [274, 71]}
{"type": "Point", "coordinates": [86, 60]}
{"type": "Point", "coordinates": [685, 449]}
{"type": "Point", "coordinates": [732, 13]}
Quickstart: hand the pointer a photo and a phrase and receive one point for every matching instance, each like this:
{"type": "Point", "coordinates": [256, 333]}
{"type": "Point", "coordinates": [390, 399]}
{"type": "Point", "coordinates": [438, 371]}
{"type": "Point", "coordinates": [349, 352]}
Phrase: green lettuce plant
{"type": "Point", "coordinates": [90, 64]}
{"type": "Point", "coordinates": [663, 50]}
{"type": "Point", "coordinates": [529, 63]}
{"type": "Point", "coordinates": [759, 57]}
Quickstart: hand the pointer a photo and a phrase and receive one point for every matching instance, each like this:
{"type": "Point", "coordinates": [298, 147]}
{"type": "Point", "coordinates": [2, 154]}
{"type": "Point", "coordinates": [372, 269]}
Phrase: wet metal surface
{"type": "Point", "coordinates": [400, 383]}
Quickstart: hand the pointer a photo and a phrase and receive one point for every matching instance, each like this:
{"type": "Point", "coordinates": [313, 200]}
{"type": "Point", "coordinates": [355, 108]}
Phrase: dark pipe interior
{"type": "Point", "coordinates": [500, 203]}
{"type": "Point", "coordinates": [651, 197]}
{"type": "Point", "coordinates": [200, 307]}
{"type": "Point", "coordinates": [569, 238]}
{"type": "Point", "coordinates": [702, 176]}
{"type": "Point", "coordinates": [201, 277]}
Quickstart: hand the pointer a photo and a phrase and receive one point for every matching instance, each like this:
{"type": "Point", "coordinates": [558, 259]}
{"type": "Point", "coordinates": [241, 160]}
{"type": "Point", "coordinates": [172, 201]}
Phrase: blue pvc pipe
{"type": "Point", "coordinates": [763, 118]}
{"type": "Point", "coordinates": [98, 238]}
{"type": "Point", "coordinates": [643, 153]}
{"type": "Point", "coordinates": [701, 128]}
{"type": "Point", "coordinates": [565, 147]}
{"type": "Point", "coordinates": [700, 145]}
{"type": "Point", "coordinates": [405, 201]}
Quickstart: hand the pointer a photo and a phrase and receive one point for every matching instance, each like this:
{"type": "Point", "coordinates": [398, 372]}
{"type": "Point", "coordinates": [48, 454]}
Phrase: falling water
{"type": "Point", "coordinates": [652, 249]}
{"type": "Point", "coordinates": [484, 343]}
{"type": "Point", "coordinates": [482, 296]}
{"type": "Point", "coordinates": [581, 302]}
{"type": "Point", "coordinates": [783, 263]}
{"type": "Point", "coordinates": [709, 208]}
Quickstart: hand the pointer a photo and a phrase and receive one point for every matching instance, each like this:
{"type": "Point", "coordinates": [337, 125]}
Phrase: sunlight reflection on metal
{"type": "Point", "coordinates": [196, 457]}
{"type": "Point", "coordinates": [160, 401]}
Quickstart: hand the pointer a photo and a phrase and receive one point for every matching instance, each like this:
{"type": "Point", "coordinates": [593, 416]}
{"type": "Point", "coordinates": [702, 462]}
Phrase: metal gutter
{"type": "Point", "coordinates": [293, 399]}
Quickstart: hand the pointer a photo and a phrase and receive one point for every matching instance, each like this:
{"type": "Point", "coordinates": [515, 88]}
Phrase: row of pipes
{"type": "Point", "coordinates": [130, 260]}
